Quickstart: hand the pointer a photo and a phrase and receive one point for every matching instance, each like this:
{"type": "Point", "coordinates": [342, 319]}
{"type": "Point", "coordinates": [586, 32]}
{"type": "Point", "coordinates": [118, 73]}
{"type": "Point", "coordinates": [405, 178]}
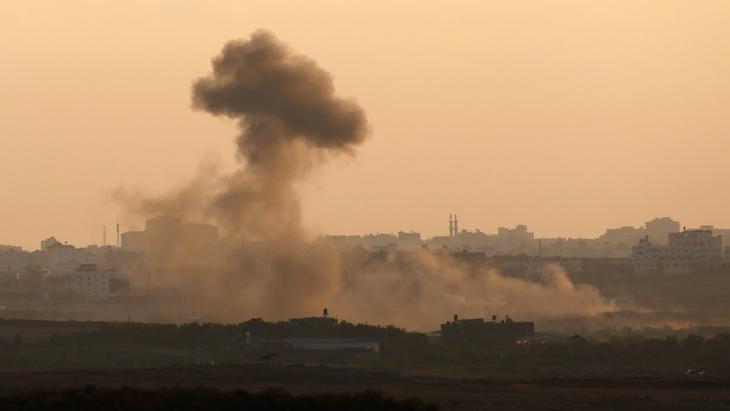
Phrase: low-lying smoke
{"type": "Point", "coordinates": [290, 121]}
{"type": "Point", "coordinates": [418, 288]}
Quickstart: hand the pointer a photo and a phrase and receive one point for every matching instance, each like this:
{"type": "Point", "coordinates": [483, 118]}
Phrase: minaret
{"type": "Point", "coordinates": [451, 226]}
{"type": "Point", "coordinates": [456, 225]}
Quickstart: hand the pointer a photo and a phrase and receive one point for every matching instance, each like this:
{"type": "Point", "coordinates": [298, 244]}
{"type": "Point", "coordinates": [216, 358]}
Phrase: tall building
{"type": "Point", "coordinates": [164, 231]}
{"type": "Point", "coordinates": [700, 247]}
{"type": "Point", "coordinates": [687, 251]}
{"type": "Point", "coordinates": [659, 229]}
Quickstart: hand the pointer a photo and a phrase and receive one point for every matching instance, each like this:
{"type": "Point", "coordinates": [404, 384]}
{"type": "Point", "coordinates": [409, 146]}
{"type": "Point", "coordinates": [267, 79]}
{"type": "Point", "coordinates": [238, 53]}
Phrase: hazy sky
{"type": "Point", "coordinates": [567, 116]}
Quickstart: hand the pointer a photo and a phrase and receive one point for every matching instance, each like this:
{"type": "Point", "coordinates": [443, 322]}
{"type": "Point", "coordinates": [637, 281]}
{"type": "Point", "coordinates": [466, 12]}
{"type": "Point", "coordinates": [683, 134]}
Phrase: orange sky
{"type": "Point", "coordinates": [567, 116]}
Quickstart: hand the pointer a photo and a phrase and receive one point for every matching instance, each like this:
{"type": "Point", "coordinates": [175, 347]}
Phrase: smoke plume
{"type": "Point", "coordinates": [291, 121]}
{"type": "Point", "coordinates": [289, 117]}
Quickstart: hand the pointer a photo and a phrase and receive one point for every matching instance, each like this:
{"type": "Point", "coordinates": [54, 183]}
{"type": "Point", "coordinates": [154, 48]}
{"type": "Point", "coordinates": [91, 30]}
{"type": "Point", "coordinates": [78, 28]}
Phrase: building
{"type": "Point", "coordinates": [515, 240]}
{"type": "Point", "coordinates": [380, 241]}
{"type": "Point", "coordinates": [134, 241]}
{"type": "Point", "coordinates": [5, 247]}
{"type": "Point", "coordinates": [166, 235]}
{"type": "Point", "coordinates": [658, 230]}
{"type": "Point", "coordinates": [626, 235]}
{"type": "Point", "coordinates": [686, 251]}
{"type": "Point", "coordinates": [91, 283]}
{"type": "Point", "coordinates": [649, 258]}
{"type": "Point", "coordinates": [722, 232]}
{"type": "Point", "coordinates": [693, 249]}
{"type": "Point", "coordinates": [45, 244]}
{"type": "Point", "coordinates": [479, 331]}
{"type": "Point", "coordinates": [409, 238]}
{"type": "Point", "coordinates": [165, 228]}
{"type": "Point", "coordinates": [58, 254]}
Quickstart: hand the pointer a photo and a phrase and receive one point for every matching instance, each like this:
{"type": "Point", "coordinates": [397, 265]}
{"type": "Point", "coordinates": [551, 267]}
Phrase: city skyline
{"type": "Point", "coordinates": [567, 129]}
{"type": "Point", "coordinates": [112, 235]}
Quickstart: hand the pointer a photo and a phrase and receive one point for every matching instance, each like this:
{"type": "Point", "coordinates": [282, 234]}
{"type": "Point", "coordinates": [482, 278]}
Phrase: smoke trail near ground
{"type": "Point", "coordinates": [418, 287]}
{"type": "Point", "coordinates": [291, 121]}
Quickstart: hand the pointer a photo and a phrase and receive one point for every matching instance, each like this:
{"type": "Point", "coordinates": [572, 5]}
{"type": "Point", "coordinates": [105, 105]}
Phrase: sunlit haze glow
{"type": "Point", "coordinates": [567, 116]}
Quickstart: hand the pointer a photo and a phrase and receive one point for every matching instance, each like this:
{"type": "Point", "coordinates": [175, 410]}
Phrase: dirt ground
{"type": "Point", "coordinates": [451, 393]}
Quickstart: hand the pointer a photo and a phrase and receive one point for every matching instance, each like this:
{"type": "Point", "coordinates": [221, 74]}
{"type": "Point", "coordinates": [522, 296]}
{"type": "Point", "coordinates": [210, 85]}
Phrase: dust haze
{"type": "Point", "coordinates": [266, 265]}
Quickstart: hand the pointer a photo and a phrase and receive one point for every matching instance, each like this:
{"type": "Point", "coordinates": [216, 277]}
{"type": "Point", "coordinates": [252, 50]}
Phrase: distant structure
{"type": "Point", "coordinates": [659, 229]}
{"type": "Point", "coordinates": [623, 236]}
{"type": "Point", "coordinates": [517, 238]}
{"type": "Point", "coordinates": [693, 249]}
{"type": "Point", "coordinates": [686, 251]}
{"type": "Point", "coordinates": [409, 238]}
{"type": "Point", "coordinates": [91, 283]}
{"type": "Point", "coordinates": [722, 232]}
{"type": "Point", "coordinates": [378, 242]}
{"type": "Point", "coordinates": [614, 244]}
{"type": "Point", "coordinates": [48, 242]}
{"type": "Point", "coordinates": [6, 247]}
{"type": "Point", "coordinates": [479, 331]}
{"type": "Point", "coordinates": [164, 230]}
{"type": "Point", "coordinates": [58, 254]}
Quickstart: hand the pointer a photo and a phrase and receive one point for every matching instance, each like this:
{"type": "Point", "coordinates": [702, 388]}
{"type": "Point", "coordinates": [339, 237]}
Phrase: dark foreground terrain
{"type": "Point", "coordinates": [126, 398]}
{"type": "Point", "coordinates": [448, 393]}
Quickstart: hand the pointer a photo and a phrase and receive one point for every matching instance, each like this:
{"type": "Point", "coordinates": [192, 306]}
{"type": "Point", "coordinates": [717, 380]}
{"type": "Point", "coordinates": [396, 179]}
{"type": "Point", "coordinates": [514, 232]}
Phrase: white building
{"type": "Point", "coordinates": [94, 284]}
{"type": "Point", "coordinates": [687, 251]}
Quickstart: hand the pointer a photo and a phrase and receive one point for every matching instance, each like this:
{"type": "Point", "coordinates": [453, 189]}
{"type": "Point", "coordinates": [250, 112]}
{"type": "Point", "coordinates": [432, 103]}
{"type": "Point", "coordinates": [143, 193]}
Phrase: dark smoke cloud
{"type": "Point", "coordinates": [279, 96]}
{"type": "Point", "coordinates": [287, 111]}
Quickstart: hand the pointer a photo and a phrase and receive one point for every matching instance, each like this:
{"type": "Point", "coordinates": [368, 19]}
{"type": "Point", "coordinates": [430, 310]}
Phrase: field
{"type": "Point", "coordinates": [633, 374]}
{"type": "Point", "coordinates": [450, 393]}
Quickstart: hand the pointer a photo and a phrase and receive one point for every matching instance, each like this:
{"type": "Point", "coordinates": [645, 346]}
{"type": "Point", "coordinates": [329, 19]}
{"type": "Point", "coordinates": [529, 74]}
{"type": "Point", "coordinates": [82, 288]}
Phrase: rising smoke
{"type": "Point", "coordinates": [289, 118]}
{"type": "Point", "coordinates": [291, 121]}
